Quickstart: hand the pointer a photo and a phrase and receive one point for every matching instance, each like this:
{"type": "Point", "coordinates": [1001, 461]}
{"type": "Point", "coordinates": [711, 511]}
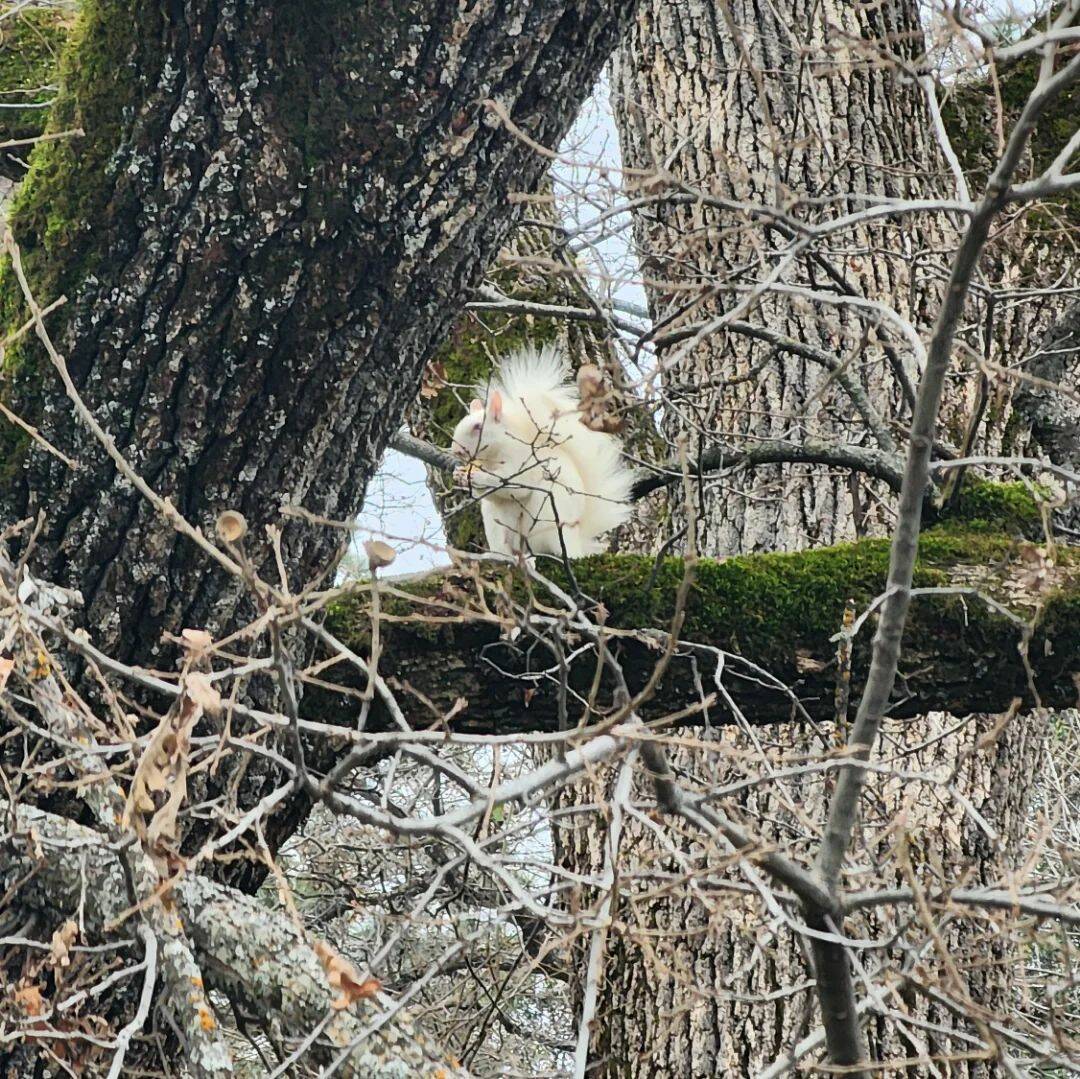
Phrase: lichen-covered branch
{"type": "Point", "coordinates": [247, 951]}
{"type": "Point", "coordinates": [206, 1053]}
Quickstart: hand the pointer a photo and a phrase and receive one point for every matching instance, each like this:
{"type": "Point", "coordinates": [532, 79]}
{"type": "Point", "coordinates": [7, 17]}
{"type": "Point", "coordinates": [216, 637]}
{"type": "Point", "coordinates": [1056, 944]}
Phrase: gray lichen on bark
{"type": "Point", "coordinates": [245, 950]}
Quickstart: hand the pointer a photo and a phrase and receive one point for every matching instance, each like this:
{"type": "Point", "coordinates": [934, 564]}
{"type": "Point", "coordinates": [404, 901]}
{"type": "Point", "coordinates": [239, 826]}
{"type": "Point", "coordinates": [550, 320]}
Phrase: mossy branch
{"type": "Point", "coordinates": [444, 636]}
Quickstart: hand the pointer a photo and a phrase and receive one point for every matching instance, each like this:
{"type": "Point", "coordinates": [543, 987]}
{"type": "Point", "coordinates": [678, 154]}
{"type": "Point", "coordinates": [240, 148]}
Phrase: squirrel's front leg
{"type": "Point", "coordinates": [500, 537]}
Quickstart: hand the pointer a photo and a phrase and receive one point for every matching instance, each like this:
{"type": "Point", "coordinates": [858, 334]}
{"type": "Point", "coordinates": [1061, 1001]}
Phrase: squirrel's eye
{"type": "Point", "coordinates": [476, 427]}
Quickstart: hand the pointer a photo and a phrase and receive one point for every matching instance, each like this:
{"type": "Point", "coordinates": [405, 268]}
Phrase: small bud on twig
{"type": "Point", "coordinates": [231, 526]}
{"type": "Point", "coordinates": [379, 554]}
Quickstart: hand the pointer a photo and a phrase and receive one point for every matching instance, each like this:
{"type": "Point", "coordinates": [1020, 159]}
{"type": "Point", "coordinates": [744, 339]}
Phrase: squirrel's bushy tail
{"type": "Point", "coordinates": [540, 404]}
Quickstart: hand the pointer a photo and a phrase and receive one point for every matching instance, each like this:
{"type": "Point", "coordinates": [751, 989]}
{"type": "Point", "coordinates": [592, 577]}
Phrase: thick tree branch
{"type": "Point", "coordinates": [865, 459]}
{"type": "Point", "coordinates": [245, 950]}
{"type": "Point", "coordinates": [777, 612]}
{"type": "Point", "coordinates": [873, 462]}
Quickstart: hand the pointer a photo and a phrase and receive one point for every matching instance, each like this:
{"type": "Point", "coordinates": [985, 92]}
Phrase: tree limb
{"type": "Point", "coordinates": [873, 462]}
{"type": "Point", "coordinates": [245, 950]}
{"type": "Point", "coordinates": [770, 618]}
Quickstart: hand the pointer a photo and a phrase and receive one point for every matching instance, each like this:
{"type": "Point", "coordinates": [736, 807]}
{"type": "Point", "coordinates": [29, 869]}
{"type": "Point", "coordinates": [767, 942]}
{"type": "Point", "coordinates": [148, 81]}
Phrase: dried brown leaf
{"type": "Point", "coordinates": [163, 768]}
{"type": "Point", "coordinates": [231, 526]}
{"type": "Point", "coordinates": [344, 977]}
{"type": "Point", "coordinates": [60, 946]}
{"type": "Point", "coordinates": [6, 667]}
{"type": "Point", "coordinates": [203, 692]}
{"type": "Point", "coordinates": [28, 998]}
{"type": "Point", "coordinates": [197, 640]}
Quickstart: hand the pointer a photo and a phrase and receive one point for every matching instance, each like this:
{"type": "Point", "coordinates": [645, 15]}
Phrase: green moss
{"type": "Point", "coordinates": [758, 605]}
{"type": "Point", "coordinates": [970, 118]}
{"type": "Point", "coordinates": [30, 46]}
{"type": "Point", "coordinates": [997, 507]}
{"type": "Point", "coordinates": [62, 203]}
{"type": "Point", "coordinates": [62, 208]}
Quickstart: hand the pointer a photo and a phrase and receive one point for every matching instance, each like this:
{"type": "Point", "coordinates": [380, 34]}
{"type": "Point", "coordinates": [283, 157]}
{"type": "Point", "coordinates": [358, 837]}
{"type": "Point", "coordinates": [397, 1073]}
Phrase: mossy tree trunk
{"type": "Point", "coordinates": [271, 221]}
{"type": "Point", "coordinates": [31, 41]}
{"type": "Point", "coordinates": [697, 984]}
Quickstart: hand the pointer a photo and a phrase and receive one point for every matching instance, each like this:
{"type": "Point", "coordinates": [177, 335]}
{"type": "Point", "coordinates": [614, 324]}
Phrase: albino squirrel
{"type": "Point", "coordinates": [536, 466]}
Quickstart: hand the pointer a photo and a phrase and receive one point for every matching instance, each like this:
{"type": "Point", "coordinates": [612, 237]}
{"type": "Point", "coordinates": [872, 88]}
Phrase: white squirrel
{"type": "Point", "coordinates": [536, 466]}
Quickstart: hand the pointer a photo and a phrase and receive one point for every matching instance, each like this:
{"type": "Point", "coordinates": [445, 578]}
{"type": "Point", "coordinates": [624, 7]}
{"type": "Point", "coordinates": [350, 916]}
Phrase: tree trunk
{"type": "Point", "coordinates": [271, 220]}
{"type": "Point", "coordinates": [1050, 418]}
{"type": "Point", "coordinates": [776, 108]}
{"type": "Point", "coordinates": [775, 105]}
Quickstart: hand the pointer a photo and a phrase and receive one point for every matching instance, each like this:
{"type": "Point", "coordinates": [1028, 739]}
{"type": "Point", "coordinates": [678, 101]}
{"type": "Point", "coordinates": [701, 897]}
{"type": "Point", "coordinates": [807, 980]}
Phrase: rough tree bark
{"type": "Point", "coordinates": [1052, 419]}
{"type": "Point", "coordinates": [271, 221]}
{"type": "Point", "coordinates": [764, 104]}
{"type": "Point", "coordinates": [782, 104]}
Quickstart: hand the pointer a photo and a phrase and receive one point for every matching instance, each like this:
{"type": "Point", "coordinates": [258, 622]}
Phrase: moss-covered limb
{"type": "Point", "coordinates": [31, 41]}
{"type": "Point", "coordinates": [777, 611]}
{"type": "Point", "coordinates": [988, 506]}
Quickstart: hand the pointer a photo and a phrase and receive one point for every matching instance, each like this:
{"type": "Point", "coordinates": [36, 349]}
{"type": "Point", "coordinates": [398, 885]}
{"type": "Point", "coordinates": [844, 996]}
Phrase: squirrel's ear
{"type": "Point", "coordinates": [476, 405]}
{"type": "Point", "coordinates": [495, 405]}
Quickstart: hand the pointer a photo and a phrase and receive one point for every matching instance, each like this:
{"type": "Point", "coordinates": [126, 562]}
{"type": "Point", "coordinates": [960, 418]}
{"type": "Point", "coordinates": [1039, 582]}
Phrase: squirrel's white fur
{"type": "Point", "coordinates": [537, 467]}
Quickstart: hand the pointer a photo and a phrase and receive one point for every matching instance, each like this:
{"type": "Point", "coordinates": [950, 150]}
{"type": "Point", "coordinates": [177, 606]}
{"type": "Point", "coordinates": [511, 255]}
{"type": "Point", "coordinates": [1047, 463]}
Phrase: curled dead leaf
{"type": "Point", "coordinates": [7, 665]}
{"type": "Point", "coordinates": [28, 998]}
{"type": "Point", "coordinates": [344, 978]}
{"type": "Point", "coordinates": [231, 526]}
{"type": "Point", "coordinates": [202, 691]}
{"type": "Point", "coordinates": [163, 769]}
{"type": "Point", "coordinates": [60, 945]}
{"type": "Point", "coordinates": [434, 379]}
{"type": "Point", "coordinates": [379, 554]}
